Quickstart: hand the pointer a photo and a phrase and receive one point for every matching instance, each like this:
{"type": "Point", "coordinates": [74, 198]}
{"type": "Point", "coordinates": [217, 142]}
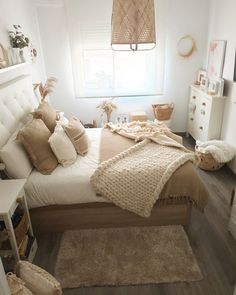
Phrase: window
{"type": "Point", "coordinates": [98, 70]}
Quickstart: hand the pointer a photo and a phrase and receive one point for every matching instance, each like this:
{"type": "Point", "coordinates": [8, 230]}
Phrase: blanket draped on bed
{"type": "Point", "coordinates": [134, 178]}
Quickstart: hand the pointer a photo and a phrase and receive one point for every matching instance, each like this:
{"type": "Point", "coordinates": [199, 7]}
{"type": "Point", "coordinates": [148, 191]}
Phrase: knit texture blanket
{"type": "Point", "coordinates": [134, 178]}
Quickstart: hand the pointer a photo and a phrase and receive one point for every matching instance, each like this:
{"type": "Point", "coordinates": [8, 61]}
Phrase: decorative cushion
{"type": "Point", "coordinates": [62, 147]}
{"type": "Point", "coordinates": [77, 134]}
{"type": "Point", "coordinates": [16, 285]}
{"type": "Point", "coordinates": [47, 114]}
{"type": "Point", "coordinates": [34, 136]}
{"type": "Point", "coordinates": [16, 160]}
{"type": "Point", "coordinates": [38, 280]}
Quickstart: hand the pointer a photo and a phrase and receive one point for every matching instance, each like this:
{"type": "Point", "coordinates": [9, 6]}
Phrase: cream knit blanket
{"type": "Point", "coordinates": [134, 178]}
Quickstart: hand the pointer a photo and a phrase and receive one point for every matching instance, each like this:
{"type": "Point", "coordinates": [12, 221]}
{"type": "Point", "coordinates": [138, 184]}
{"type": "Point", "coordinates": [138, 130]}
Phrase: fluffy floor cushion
{"type": "Point", "coordinates": [125, 256]}
{"type": "Point", "coordinates": [37, 280]}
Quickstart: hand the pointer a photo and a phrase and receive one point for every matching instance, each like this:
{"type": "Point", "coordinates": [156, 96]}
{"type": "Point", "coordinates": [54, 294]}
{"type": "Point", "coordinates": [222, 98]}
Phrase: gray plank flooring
{"type": "Point", "coordinates": [212, 244]}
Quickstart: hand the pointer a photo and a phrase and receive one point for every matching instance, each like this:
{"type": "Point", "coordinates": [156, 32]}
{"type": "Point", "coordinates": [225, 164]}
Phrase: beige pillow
{"type": "Point", "coordinates": [62, 147]}
{"type": "Point", "coordinates": [16, 160]}
{"type": "Point", "coordinates": [39, 281]}
{"type": "Point", "coordinates": [34, 136]}
{"type": "Point", "coordinates": [17, 286]}
{"type": "Point", "coordinates": [77, 134]}
{"type": "Point", "coordinates": [47, 114]}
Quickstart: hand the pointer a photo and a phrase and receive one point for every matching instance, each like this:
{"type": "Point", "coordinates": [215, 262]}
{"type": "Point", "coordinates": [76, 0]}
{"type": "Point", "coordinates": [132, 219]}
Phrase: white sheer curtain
{"type": "Point", "coordinates": [98, 70]}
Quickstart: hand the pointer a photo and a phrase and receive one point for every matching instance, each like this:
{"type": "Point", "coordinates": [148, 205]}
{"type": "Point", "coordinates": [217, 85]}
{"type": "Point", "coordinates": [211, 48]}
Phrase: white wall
{"type": "Point", "coordinates": [222, 27]}
{"type": "Point", "coordinates": [184, 17]}
{"type": "Point", "coordinates": [21, 13]}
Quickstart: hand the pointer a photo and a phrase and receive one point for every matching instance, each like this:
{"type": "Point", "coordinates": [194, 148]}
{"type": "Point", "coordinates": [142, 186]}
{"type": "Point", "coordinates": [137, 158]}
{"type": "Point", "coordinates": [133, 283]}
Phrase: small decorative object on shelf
{"type": "Point", "coordinates": [201, 74]}
{"type": "Point", "coordinates": [107, 107]}
{"type": "Point", "coordinates": [17, 240]}
{"type": "Point", "coordinates": [18, 42]}
{"type": "Point", "coordinates": [47, 88]}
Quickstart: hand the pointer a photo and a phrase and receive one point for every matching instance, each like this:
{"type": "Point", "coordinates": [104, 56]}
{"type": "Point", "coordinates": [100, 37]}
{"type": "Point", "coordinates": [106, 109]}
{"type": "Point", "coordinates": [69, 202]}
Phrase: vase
{"type": "Point", "coordinates": [14, 56]}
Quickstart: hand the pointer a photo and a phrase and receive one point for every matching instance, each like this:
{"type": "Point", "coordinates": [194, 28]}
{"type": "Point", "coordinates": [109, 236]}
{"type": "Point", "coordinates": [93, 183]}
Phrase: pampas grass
{"type": "Point", "coordinates": [47, 88]}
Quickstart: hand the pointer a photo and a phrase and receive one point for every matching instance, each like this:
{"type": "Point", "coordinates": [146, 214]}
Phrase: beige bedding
{"type": "Point", "coordinates": [184, 182]}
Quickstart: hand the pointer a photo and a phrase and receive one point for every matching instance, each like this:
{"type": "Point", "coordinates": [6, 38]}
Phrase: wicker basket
{"type": "Point", "coordinates": [163, 112]}
{"type": "Point", "coordinates": [21, 229]}
{"type": "Point", "coordinates": [207, 162]}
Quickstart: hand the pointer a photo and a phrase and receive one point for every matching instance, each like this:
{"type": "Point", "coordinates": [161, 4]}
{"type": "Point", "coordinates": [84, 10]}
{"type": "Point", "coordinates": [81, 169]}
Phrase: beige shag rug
{"type": "Point", "coordinates": [125, 256]}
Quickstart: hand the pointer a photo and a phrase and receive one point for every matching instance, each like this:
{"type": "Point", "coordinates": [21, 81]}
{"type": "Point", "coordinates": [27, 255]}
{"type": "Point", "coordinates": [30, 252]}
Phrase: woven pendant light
{"type": "Point", "coordinates": [133, 25]}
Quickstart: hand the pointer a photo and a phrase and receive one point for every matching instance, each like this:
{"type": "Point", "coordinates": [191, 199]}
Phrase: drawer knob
{"type": "Point", "coordinates": [191, 119]}
{"type": "Point", "coordinates": [201, 128]}
{"type": "Point", "coordinates": [203, 103]}
{"type": "Point", "coordinates": [194, 97]}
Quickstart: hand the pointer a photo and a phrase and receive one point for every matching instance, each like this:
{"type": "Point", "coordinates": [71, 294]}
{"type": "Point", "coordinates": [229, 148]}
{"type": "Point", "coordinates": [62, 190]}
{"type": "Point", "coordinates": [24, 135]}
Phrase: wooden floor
{"type": "Point", "coordinates": [212, 244]}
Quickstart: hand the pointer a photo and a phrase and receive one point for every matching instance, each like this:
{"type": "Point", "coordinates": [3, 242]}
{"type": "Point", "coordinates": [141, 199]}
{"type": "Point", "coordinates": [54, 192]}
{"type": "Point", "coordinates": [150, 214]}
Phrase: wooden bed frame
{"type": "Point", "coordinates": [59, 218]}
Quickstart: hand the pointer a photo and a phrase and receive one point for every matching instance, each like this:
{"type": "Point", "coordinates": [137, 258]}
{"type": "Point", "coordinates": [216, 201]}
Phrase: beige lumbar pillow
{"type": "Point", "coordinates": [34, 137]}
{"type": "Point", "coordinates": [37, 280]}
{"type": "Point", "coordinates": [62, 147]}
{"type": "Point", "coordinates": [47, 114]}
{"type": "Point", "coordinates": [77, 134]}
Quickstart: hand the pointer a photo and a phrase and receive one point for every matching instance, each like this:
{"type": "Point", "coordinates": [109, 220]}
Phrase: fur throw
{"type": "Point", "coordinates": [220, 150]}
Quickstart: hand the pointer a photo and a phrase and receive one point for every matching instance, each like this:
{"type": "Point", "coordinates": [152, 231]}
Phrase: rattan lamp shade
{"type": "Point", "coordinates": [133, 25]}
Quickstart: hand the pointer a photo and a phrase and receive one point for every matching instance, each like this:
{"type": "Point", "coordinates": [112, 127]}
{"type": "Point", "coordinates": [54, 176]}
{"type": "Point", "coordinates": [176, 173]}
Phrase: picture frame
{"type": "Point", "coordinates": [201, 74]}
{"type": "Point", "coordinates": [121, 119]}
{"type": "Point", "coordinates": [213, 87]}
{"type": "Point", "coordinates": [204, 84]}
{"type": "Point", "coordinates": [221, 87]}
{"type": "Point", "coordinates": [216, 58]}
{"type": "Point", "coordinates": [3, 57]}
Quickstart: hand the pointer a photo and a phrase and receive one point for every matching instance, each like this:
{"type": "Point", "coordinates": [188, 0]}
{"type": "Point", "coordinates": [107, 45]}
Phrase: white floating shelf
{"type": "Point", "coordinates": [12, 68]}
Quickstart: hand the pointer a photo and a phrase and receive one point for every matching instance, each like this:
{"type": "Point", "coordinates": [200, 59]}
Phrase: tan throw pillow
{"type": "Point", "coordinates": [16, 285]}
{"type": "Point", "coordinates": [47, 114]}
{"type": "Point", "coordinates": [34, 137]}
{"type": "Point", "coordinates": [39, 281]}
{"type": "Point", "coordinates": [77, 134]}
{"type": "Point", "coordinates": [62, 147]}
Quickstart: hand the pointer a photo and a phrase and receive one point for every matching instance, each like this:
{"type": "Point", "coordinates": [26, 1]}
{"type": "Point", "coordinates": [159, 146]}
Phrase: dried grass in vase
{"type": "Point", "coordinates": [107, 107]}
{"type": "Point", "coordinates": [47, 88]}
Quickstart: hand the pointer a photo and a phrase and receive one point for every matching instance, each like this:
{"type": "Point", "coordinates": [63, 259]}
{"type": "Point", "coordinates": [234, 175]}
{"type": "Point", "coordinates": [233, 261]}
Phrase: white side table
{"type": "Point", "coordinates": [11, 194]}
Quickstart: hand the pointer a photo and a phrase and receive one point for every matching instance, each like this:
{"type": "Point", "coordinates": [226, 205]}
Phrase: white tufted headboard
{"type": "Point", "coordinates": [17, 99]}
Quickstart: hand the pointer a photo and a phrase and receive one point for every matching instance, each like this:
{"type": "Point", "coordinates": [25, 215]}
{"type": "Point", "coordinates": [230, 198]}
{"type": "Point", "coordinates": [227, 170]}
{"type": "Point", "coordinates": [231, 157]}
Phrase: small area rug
{"type": "Point", "coordinates": [125, 256]}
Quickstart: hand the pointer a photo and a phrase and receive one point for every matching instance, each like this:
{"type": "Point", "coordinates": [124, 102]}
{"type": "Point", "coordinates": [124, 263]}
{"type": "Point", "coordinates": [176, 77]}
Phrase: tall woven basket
{"type": "Point", "coordinates": [162, 112]}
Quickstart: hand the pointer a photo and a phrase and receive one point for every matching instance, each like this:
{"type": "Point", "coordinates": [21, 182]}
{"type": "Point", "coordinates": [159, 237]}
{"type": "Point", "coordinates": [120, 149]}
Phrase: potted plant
{"type": "Point", "coordinates": [18, 42]}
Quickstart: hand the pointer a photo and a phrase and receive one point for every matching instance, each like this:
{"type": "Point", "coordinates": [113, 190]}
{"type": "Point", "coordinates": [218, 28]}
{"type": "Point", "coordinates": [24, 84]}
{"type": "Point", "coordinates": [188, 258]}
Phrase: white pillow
{"type": "Point", "coordinates": [14, 156]}
{"type": "Point", "coordinates": [62, 147]}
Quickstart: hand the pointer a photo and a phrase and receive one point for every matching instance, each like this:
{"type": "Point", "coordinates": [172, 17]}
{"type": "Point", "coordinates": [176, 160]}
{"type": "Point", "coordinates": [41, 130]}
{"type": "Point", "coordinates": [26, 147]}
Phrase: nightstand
{"type": "Point", "coordinates": [17, 237]}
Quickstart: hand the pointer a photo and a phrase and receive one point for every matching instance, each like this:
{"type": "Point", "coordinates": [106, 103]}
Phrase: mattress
{"type": "Point", "coordinates": [69, 185]}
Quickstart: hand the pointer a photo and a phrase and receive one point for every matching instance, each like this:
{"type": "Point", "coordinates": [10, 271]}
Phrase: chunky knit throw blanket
{"type": "Point", "coordinates": [134, 178]}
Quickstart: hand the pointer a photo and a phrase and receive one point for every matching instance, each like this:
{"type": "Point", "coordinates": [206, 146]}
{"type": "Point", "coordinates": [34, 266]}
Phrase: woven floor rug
{"type": "Point", "coordinates": [125, 256]}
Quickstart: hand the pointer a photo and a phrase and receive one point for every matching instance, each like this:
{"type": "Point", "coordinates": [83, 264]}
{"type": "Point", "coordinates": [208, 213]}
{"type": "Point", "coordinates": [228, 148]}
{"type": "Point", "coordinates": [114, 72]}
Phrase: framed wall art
{"type": "Point", "coordinates": [204, 84]}
{"type": "Point", "coordinates": [216, 59]}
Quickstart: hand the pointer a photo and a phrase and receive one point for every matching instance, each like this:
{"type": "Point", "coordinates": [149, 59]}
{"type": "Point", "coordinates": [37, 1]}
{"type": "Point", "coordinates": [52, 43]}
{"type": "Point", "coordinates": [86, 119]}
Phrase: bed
{"type": "Point", "coordinates": [65, 199]}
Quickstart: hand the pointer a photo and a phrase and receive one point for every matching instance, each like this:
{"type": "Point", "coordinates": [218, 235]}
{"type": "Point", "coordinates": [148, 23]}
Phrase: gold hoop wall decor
{"type": "Point", "coordinates": [186, 46]}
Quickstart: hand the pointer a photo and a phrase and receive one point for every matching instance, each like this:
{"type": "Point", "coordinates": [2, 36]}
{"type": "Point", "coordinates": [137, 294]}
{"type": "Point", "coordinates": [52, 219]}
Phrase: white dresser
{"type": "Point", "coordinates": [205, 115]}
{"type": "Point", "coordinates": [232, 221]}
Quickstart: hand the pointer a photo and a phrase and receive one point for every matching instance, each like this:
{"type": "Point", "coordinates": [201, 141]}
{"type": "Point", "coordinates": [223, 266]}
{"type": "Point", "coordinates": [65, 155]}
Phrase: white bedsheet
{"type": "Point", "coordinates": [69, 185]}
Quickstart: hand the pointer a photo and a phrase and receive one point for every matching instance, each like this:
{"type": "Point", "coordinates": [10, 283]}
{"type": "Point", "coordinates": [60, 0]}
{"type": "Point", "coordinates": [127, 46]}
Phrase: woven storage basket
{"type": "Point", "coordinates": [163, 112]}
{"type": "Point", "coordinates": [207, 162]}
{"type": "Point", "coordinates": [21, 229]}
